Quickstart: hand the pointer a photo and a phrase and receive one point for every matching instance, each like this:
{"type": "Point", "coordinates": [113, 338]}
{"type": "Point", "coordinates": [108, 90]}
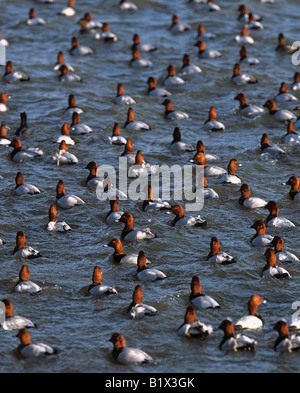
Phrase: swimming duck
{"type": "Point", "coordinates": [128, 152]}
{"type": "Point", "coordinates": [61, 61]}
{"type": "Point", "coordinates": [27, 349]}
{"type": "Point", "coordinates": [14, 322]}
{"type": "Point", "coordinates": [260, 239]}
{"type": "Point", "coordinates": [130, 234]}
{"type": "Point", "coordinates": [182, 220]}
{"type": "Point", "coordinates": [253, 320]}
{"type": "Point", "coordinates": [106, 35]}
{"type": "Point", "coordinates": [136, 60]}
{"type": "Point", "coordinates": [3, 133]}
{"type": "Point", "coordinates": [207, 53]}
{"type": "Point", "coordinates": [63, 157]}
{"type": "Point", "coordinates": [193, 328]}
{"type": "Point", "coordinates": [65, 135]}
{"type": "Point", "coordinates": [198, 299]}
{"type": "Point", "coordinates": [24, 285]}
{"type": "Point", "coordinates": [241, 79]}
{"type": "Point", "coordinates": [279, 115]}
{"type": "Point", "coordinates": [285, 343]}
{"type": "Point", "coordinates": [202, 34]}
{"type": "Point", "coordinates": [171, 114]}
{"type": "Point", "coordinates": [274, 151]}
{"type": "Point", "coordinates": [172, 79]}
{"type": "Point", "coordinates": [91, 24]}
{"type": "Point", "coordinates": [177, 26]}
{"type": "Point", "coordinates": [78, 128]}
{"type": "Point", "coordinates": [122, 98]}
{"type": "Point", "coordinates": [155, 91]}
{"type": "Point", "coordinates": [72, 106]}
{"type": "Point", "coordinates": [3, 101]}
{"type": "Point", "coordinates": [137, 309]}
{"type": "Point", "coordinates": [20, 155]}
{"type": "Point", "coordinates": [211, 6]}
{"type": "Point", "coordinates": [187, 67]}
{"type": "Point", "coordinates": [253, 24]}
{"type": "Point", "coordinates": [244, 37]}
{"type": "Point", "coordinates": [281, 255]}
{"type": "Point", "coordinates": [133, 125]}
{"type": "Point", "coordinates": [247, 109]}
{"type": "Point", "coordinates": [273, 221]}
{"type": "Point", "coordinates": [282, 46]}
{"type": "Point", "coordinates": [79, 50]}
{"type": "Point", "coordinates": [114, 214]}
{"type": "Point", "coordinates": [209, 193]}
{"type": "Point", "coordinates": [294, 182]}
{"type": "Point", "coordinates": [33, 19]}
{"type": "Point", "coordinates": [296, 82]}
{"type": "Point", "coordinates": [53, 224]}
{"type": "Point", "coordinates": [66, 201]}
{"type": "Point", "coordinates": [126, 5]}
{"type": "Point", "coordinates": [200, 147]}
{"type": "Point", "coordinates": [244, 14]}
{"type": "Point", "coordinates": [215, 255]}
{"type": "Point", "coordinates": [144, 273]}
{"type": "Point", "coordinates": [96, 288]}
{"type": "Point", "coordinates": [283, 95]}
{"type": "Point", "coordinates": [250, 202]}
{"type": "Point", "coordinates": [66, 76]}
{"type": "Point", "coordinates": [3, 41]}
{"type": "Point", "coordinates": [177, 144]}
{"type": "Point", "coordinates": [230, 342]}
{"type": "Point", "coordinates": [23, 129]}
{"type": "Point", "coordinates": [211, 123]}
{"type": "Point", "coordinates": [150, 204]}
{"type": "Point", "coordinates": [271, 269]}
{"type": "Point", "coordinates": [141, 167]}
{"type": "Point", "coordinates": [137, 43]}
{"type": "Point", "coordinates": [119, 256]}
{"type": "Point", "coordinates": [127, 355]}
{"type": "Point", "coordinates": [245, 59]}
{"type": "Point", "coordinates": [24, 188]}
{"type": "Point", "coordinates": [12, 76]}
{"type": "Point", "coordinates": [230, 176]}
{"type": "Point", "coordinates": [23, 251]}
{"type": "Point", "coordinates": [69, 10]}
{"type": "Point", "coordinates": [116, 138]}
{"type": "Point", "coordinates": [209, 170]}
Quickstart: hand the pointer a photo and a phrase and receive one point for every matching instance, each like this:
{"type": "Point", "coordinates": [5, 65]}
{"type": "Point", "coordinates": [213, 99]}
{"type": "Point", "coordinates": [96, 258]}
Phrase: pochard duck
{"type": "Point", "coordinates": [65, 135]}
{"type": "Point", "coordinates": [247, 109]}
{"type": "Point", "coordinates": [285, 343]}
{"type": "Point", "coordinates": [155, 91]}
{"type": "Point", "coordinates": [260, 239]}
{"type": "Point", "coordinates": [193, 328]}
{"type": "Point", "coordinates": [254, 24]}
{"type": "Point", "coordinates": [172, 114]}
{"type": "Point", "coordinates": [136, 60]}
{"type": "Point", "coordinates": [137, 309]}
{"type": "Point", "coordinates": [240, 78]}
{"type": "Point", "coordinates": [209, 193]}
{"type": "Point", "coordinates": [273, 221]}
{"type": "Point", "coordinates": [198, 299]}
{"type": "Point", "coordinates": [211, 6]}
{"type": "Point", "coordinates": [250, 202]}
{"type": "Point", "coordinates": [61, 61]}
{"type": "Point", "coordinates": [93, 180]}
{"type": "Point", "coordinates": [63, 157]}
{"type": "Point", "coordinates": [291, 135]}
{"type": "Point", "coordinates": [177, 26]}
{"type": "Point", "coordinates": [282, 46]}
{"type": "Point", "coordinates": [12, 76]}
{"type": "Point", "coordinates": [253, 320]}
{"type": "Point", "coordinates": [116, 138]}
{"type": "Point", "coordinates": [69, 10]}
{"type": "Point", "coordinates": [271, 269]}
{"type": "Point", "coordinates": [19, 154]}
{"type": "Point", "coordinates": [137, 43]}
{"type": "Point", "coordinates": [66, 76]}
{"type": "Point", "coordinates": [182, 220]}
{"type": "Point", "coordinates": [3, 133]}
{"type": "Point", "coordinates": [246, 59]}
{"type": "Point", "coordinates": [127, 5]}
{"type": "Point", "coordinates": [187, 66]}
{"type": "Point", "coordinates": [296, 81]}
{"type": "Point", "coordinates": [127, 355]}
{"type": "Point", "coordinates": [244, 37]}
{"type": "Point", "coordinates": [150, 205]}
{"type": "Point", "coordinates": [23, 129]}
{"type": "Point", "coordinates": [79, 50]}
{"type": "Point", "coordinates": [294, 182]}
{"type": "Point", "coordinates": [172, 79]}
{"type": "Point", "coordinates": [27, 349]}
{"type": "Point", "coordinates": [122, 98]}
{"type": "Point", "coordinates": [78, 128]}
{"type": "Point", "coordinates": [230, 342]}
{"type": "Point", "coordinates": [119, 256]}
{"type": "Point", "coordinates": [3, 41]}
{"type": "Point", "coordinates": [128, 152]}
{"type": "Point", "coordinates": [23, 251]}
{"type": "Point", "coordinates": [230, 176]}
{"type": "Point", "coordinates": [114, 214]}
{"type": "Point", "coordinates": [207, 53]}
{"type": "Point", "coordinates": [177, 144]}
{"type": "Point", "coordinates": [144, 273]}
{"type": "Point", "coordinates": [24, 285]}
{"type": "Point", "coordinates": [203, 35]}
{"type": "Point", "coordinates": [130, 234]}
{"type": "Point", "coordinates": [33, 19]}
{"type": "Point", "coordinates": [244, 14]}
{"type": "Point", "coordinates": [106, 35]}
{"type": "Point", "coordinates": [23, 188]}
{"type": "Point", "coordinates": [3, 102]}
{"type": "Point", "coordinates": [66, 201]}
{"type": "Point", "coordinates": [211, 123]}
{"type": "Point", "coordinates": [91, 24]}
{"type": "Point", "coordinates": [266, 148]}
{"type": "Point", "coordinates": [215, 255]}
{"type": "Point", "coordinates": [279, 115]}
{"type": "Point", "coordinates": [209, 170]}
{"type": "Point", "coordinates": [200, 147]}
{"type": "Point", "coordinates": [96, 288]}
{"type": "Point", "coordinates": [53, 224]}
{"type": "Point", "coordinates": [132, 125]}
{"type": "Point", "coordinates": [141, 167]}
{"type": "Point", "coordinates": [284, 95]}
{"type": "Point", "coordinates": [14, 322]}
{"type": "Point", "coordinates": [281, 255]}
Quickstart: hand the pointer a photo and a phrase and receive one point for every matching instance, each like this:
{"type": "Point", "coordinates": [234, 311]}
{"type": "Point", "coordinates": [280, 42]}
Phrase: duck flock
{"type": "Point", "coordinates": [197, 83]}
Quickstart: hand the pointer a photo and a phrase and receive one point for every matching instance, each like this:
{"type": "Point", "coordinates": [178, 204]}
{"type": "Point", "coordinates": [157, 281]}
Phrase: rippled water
{"type": "Point", "coordinates": [79, 326]}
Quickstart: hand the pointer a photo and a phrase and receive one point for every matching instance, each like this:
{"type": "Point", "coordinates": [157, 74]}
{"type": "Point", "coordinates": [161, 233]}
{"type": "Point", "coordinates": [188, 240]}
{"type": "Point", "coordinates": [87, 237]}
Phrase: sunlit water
{"type": "Point", "coordinates": [80, 326]}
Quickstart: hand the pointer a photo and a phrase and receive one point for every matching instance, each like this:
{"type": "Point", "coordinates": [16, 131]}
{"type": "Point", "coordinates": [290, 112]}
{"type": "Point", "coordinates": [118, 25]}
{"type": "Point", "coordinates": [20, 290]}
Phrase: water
{"type": "Point", "coordinates": [80, 326]}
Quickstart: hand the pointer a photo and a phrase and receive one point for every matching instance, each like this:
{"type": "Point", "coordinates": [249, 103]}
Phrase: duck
{"type": "Point", "coordinates": [198, 299]}
{"type": "Point", "coordinates": [24, 285]}
{"type": "Point", "coordinates": [122, 98]}
{"type": "Point", "coordinates": [146, 274]}
{"type": "Point", "coordinates": [282, 46]}
{"type": "Point", "coordinates": [87, 29]}
{"type": "Point", "coordinates": [253, 320]}
{"type": "Point", "coordinates": [247, 109]}
{"type": "Point", "coordinates": [273, 221]}
{"type": "Point", "coordinates": [106, 35]}
{"type": "Point", "coordinates": [246, 59]}
{"type": "Point", "coordinates": [215, 255]}
{"type": "Point", "coordinates": [91, 24]}
{"type": "Point", "coordinates": [250, 202]}
{"type": "Point", "coordinates": [137, 43]}
{"type": "Point", "coordinates": [3, 41]}
{"type": "Point", "coordinates": [182, 220]}
{"type": "Point", "coordinates": [3, 102]}
{"type": "Point", "coordinates": [285, 343]}
{"type": "Point", "coordinates": [242, 79]}
{"type": "Point", "coordinates": [27, 349]}
{"type": "Point", "coordinates": [209, 170]}
{"type": "Point", "coordinates": [3, 136]}
{"type": "Point", "coordinates": [150, 205]}
{"type": "Point", "coordinates": [19, 154]}
{"type": "Point", "coordinates": [128, 152]}
{"type": "Point", "coordinates": [23, 188]}
{"type": "Point", "coordinates": [244, 37]}
{"type": "Point", "coordinates": [155, 91]}
{"type": "Point", "coordinates": [206, 53]}
{"type": "Point", "coordinates": [63, 157]}
{"type": "Point", "coordinates": [96, 288]}
{"type": "Point", "coordinates": [130, 234]}
{"type": "Point", "coordinates": [271, 269]}
{"type": "Point", "coordinates": [23, 251]}
{"type": "Point", "coordinates": [14, 322]}
{"type": "Point", "coordinates": [230, 342]}
{"type": "Point", "coordinates": [200, 147]}
{"type": "Point", "coordinates": [119, 257]}
{"type": "Point", "coordinates": [283, 95]}
{"type": "Point", "coordinates": [65, 135]}
{"type": "Point", "coordinates": [192, 328]}
{"type": "Point", "coordinates": [296, 81]}
{"type": "Point", "coordinates": [253, 24]}
{"type": "Point", "coordinates": [114, 214]}
{"type": "Point", "coordinates": [79, 50]}
{"type": "Point", "coordinates": [177, 144]}
{"type": "Point", "coordinates": [141, 167]}
{"type": "Point", "coordinates": [78, 128]}
{"type": "Point", "coordinates": [281, 255]}
{"type": "Point", "coordinates": [171, 114]}
{"type": "Point", "coordinates": [244, 14]}
{"type": "Point", "coordinates": [33, 19]}
{"type": "Point", "coordinates": [203, 35]}
{"type": "Point", "coordinates": [294, 182]}
{"type": "Point", "coordinates": [133, 125]}
{"type": "Point", "coordinates": [66, 201]}
{"type": "Point", "coordinates": [209, 193]}
{"type": "Point", "coordinates": [260, 239]}
{"type": "Point", "coordinates": [172, 80]}
{"type": "Point", "coordinates": [128, 355]}
{"type": "Point", "coordinates": [12, 76]}
{"type": "Point", "coordinates": [66, 76]}
{"type": "Point", "coordinates": [211, 6]}
{"type": "Point", "coordinates": [72, 106]}
{"type": "Point", "coordinates": [266, 148]}
{"type": "Point", "coordinates": [23, 129]}
{"type": "Point", "coordinates": [68, 11]}
{"type": "Point", "coordinates": [211, 123]}
{"type": "Point", "coordinates": [53, 224]}
{"type": "Point", "coordinates": [61, 61]}
{"type": "Point", "coordinates": [136, 60]}
{"type": "Point", "coordinates": [177, 26]}
{"type": "Point", "coordinates": [127, 5]}
{"type": "Point", "coordinates": [230, 176]}
{"type": "Point", "coordinates": [137, 309]}
{"type": "Point", "coordinates": [187, 66]}
{"type": "Point", "coordinates": [281, 115]}
{"type": "Point", "coordinates": [116, 138]}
